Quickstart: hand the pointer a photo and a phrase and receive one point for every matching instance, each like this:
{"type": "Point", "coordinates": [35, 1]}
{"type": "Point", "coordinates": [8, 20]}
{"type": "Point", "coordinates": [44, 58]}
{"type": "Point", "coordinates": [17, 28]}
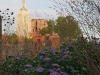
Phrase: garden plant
{"type": "Point", "coordinates": [78, 57]}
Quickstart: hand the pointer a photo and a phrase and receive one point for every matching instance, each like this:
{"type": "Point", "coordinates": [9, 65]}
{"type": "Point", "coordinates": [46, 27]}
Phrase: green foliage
{"type": "Point", "coordinates": [49, 29]}
{"type": "Point", "coordinates": [64, 26]}
{"type": "Point", "coordinates": [43, 31]}
{"type": "Point", "coordinates": [80, 57]}
{"type": "Point", "coordinates": [12, 39]}
{"type": "Point", "coordinates": [28, 40]}
{"type": "Point", "coordinates": [67, 27]}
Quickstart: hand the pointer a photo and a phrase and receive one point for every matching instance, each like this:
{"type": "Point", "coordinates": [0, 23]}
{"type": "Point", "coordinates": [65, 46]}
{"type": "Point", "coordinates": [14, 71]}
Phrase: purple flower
{"type": "Point", "coordinates": [56, 65]}
{"type": "Point", "coordinates": [9, 65]}
{"type": "Point", "coordinates": [64, 56]}
{"type": "Point", "coordinates": [24, 56]}
{"type": "Point", "coordinates": [71, 67]}
{"type": "Point", "coordinates": [58, 69]}
{"type": "Point", "coordinates": [63, 73]}
{"type": "Point", "coordinates": [78, 59]}
{"type": "Point", "coordinates": [68, 47]}
{"type": "Point", "coordinates": [74, 71]}
{"type": "Point", "coordinates": [41, 53]}
{"type": "Point", "coordinates": [51, 70]}
{"type": "Point", "coordinates": [17, 57]}
{"type": "Point", "coordinates": [28, 66]}
{"type": "Point", "coordinates": [49, 49]}
{"type": "Point", "coordinates": [39, 69]}
{"type": "Point", "coordinates": [56, 52]}
{"type": "Point", "coordinates": [98, 49]}
{"type": "Point", "coordinates": [25, 70]}
{"type": "Point", "coordinates": [47, 59]}
{"type": "Point", "coordinates": [54, 73]}
{"type": "Point", "coordinates": [59, 60]}
{"type": "Point", "coordinates": [57, 72]}
{"type": "Point", "coordinates": [41, 57]}
{"type": "Point", "coordinates": [69, 57]}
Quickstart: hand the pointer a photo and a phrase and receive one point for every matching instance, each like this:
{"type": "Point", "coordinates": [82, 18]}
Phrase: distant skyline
{"type": "Point", "coordinates": [37, 8]}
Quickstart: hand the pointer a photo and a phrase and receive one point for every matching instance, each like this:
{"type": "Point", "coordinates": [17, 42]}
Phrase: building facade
{"type": "Point", "coordinates": [23, 26]}
{"type": "Point", "coordinates": [38, 24]}
{"type": "Point", "coordinates": [30, 28]}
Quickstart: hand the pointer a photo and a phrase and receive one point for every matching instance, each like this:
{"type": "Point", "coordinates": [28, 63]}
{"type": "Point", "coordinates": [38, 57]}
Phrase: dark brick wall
{"type": "Point", "coordinates": [0, 28]}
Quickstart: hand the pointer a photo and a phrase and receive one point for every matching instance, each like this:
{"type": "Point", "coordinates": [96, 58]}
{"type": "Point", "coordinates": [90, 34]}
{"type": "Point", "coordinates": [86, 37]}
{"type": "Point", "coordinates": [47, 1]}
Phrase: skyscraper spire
{"type": "Point", "coordinates": [23, 4]}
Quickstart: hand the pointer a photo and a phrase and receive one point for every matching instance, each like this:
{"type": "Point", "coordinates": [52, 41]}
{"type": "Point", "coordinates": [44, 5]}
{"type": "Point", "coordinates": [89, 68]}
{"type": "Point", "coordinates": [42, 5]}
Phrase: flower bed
{"type": "Point", "coordinates": [68, 59]}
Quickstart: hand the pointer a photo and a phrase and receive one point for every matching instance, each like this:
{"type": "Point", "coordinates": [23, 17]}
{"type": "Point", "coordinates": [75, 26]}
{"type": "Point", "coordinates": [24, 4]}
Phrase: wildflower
{"type": "Point", "coordinates": [59, 60]}
{"type": "Point", "coordinates": [47, 59]}
{"type": "Point", "coordinates": [17, 58]}
{"type": "Point", "coordinates": [57, 52]}
{"type": "Point", "coordinates": [72, 69]}
{"type": "Point", "coordinates": [28, 66]}
{"type": "Point", "coordinates": [24, 55]}
{"type": "Point", "coordinates": [54, 73]}
{"type": "Point", "coordinates": [41, 53]}
{"type": "Point", "coordinates": [51, 70]}
{"type": "Point", "coordinates": [39, 69]}
{"type": "Point", "coordinates": [63, 73]}
{"type": "Point", "coordinates": [56, 65]}
{"type": "Point", "coordinates": [41, 57]}
{"type": "Point", "coordinates": [58, 69]}
{"type": "Point", "coordinates": [9, 65]}
{"type": "Point", "coordinates": [64, 56]}
{"type": "Point", "coordinates": [25, 70]}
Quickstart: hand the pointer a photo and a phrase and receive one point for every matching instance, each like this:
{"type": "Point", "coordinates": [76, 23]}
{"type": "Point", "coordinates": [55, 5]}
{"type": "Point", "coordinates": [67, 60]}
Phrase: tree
{"type": "Point", "coordinates": [7, 21]}
{"type": "Point", "coordinates": [49, 29]}
{"type": "Point", "coordinates": [64, 26]}
{"type": "Point", "coordinates": [67, 27]}
{"type": "Point", "coordinates": [87, 13]}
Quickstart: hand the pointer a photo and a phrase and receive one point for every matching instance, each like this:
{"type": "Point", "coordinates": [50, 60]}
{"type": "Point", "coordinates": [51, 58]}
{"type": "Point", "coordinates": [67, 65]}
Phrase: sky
{"type": "Point", "coordinates": [35, 7]}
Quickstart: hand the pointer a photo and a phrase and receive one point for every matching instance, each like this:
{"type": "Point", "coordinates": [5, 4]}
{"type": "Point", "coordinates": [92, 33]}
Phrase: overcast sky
{"type": "Point", "coordinates": [33, 6]}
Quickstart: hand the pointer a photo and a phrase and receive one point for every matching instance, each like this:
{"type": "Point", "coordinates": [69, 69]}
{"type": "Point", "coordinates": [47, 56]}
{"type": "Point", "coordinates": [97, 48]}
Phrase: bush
{"type": "Point", "coordinates": [69, 59]}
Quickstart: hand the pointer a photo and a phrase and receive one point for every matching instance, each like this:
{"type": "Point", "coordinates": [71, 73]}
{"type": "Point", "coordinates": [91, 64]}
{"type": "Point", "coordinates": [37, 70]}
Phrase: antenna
{"type": "Point", "coordinates": [23, 4]}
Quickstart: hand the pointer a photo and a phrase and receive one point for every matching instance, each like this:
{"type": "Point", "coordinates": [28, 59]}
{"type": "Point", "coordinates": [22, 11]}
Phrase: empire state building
{"type": "Point", "coordinates": [23, 25]}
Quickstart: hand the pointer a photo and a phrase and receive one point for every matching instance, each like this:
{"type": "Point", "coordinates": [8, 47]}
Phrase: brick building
{"type": "Point", "coordinates": [38, 24]}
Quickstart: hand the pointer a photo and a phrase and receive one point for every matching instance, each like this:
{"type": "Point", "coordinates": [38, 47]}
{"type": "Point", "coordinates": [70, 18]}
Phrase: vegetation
{"type": "Point", "coordinates": [28, 40]}
{"type": "Point", "coordinates": [69, 59]}
{"type": "Point", "coordinates": [87, 13]}
{"type": "Point", "coordinates": [49, 29]}
{"type": "Point", "coordinates": [67, 27]}
{"type": "Point", "coordinates": [8, 21]}
{"type": "Point", "coordinates": [11, 39]}
{"type": "Point", "coordinates": [77, 57]}
{"type": "Point", "coordinates": [64, 26]}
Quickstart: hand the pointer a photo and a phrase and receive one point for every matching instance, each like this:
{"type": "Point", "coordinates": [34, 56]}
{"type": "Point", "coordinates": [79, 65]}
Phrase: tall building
{"type": "Point", "coordinates": [23, 26]}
